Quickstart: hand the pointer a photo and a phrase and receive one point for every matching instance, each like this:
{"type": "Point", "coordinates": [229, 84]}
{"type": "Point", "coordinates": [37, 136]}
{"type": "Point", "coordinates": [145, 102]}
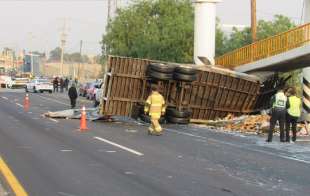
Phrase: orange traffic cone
{"type": "Point", "coordinates": [26, 103]}
{"type": "Point", "coordinates": [83, 123]}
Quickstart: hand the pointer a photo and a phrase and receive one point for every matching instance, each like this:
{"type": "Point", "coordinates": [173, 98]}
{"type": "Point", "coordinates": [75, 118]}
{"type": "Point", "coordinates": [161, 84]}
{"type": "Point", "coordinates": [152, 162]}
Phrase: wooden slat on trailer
{"type": "Point", "coordinates": [214, 94]}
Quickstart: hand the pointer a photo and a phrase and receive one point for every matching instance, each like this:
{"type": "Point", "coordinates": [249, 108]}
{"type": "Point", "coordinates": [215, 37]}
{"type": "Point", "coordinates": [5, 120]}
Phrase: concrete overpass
{"type": "Point", "coordinates": [281, 53]}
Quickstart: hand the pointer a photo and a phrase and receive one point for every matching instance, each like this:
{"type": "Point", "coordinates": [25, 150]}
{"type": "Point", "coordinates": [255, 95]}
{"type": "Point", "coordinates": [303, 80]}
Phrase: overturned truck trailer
{"type": "Point", "coordinates": [213, 93]}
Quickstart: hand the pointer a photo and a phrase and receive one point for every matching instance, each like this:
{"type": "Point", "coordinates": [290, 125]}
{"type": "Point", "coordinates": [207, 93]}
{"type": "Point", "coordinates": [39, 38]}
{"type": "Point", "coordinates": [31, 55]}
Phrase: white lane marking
{"type": "Point", "coordinates": [54, 100]}
{"type": "Point", "coordinates": [129, 173]}
{"type": "Point", "coordinates": [302, 140]}
{"type": "Point", "coordinates": [19, 105]}
{"type": "Point", "coordinates": [65, 150]}
{"type": "Point", "coordinates": [110, 151]}
{"type": "Point", "coordinates": [239, 146]}
{"type": "Point", "coordinates": [5, 98]}
{"type": "Point", "coordinates": [65, 194]}
{"type": "Point", "coordinates": [131, 131]}
{"type": "Point", "coordinates": [51, 119]}
{"type": "Point", "coordinates": [119, 146]}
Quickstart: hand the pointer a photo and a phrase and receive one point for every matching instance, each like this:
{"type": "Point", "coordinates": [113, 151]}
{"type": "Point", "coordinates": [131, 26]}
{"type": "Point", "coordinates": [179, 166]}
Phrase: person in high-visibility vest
{"type": "Point", "coordinates": [278, 113]}
{"type": "Point", "coordinates": [155, 107]}
{"type": "Point", "coordinates": [294, 105]}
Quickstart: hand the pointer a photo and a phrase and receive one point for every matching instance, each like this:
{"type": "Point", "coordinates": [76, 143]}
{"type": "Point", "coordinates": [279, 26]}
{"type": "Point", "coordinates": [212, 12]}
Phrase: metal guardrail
{"type": "Point", "coordinates": [271, 46]}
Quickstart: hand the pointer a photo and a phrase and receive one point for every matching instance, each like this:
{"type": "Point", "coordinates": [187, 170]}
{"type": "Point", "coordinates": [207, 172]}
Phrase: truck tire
{"type": "Point", "coordinates": [185, 70]}
{"type": "Point", "coordinates": [162, 68]}
{"type": "Point", "coordinates": [173, 112]}
{"type": "Point", "coordinates": [159, 75]}
{"type": "Point", "coordinates": [176, 120]}
{"type": "Point", "coordinates": [184, 77]}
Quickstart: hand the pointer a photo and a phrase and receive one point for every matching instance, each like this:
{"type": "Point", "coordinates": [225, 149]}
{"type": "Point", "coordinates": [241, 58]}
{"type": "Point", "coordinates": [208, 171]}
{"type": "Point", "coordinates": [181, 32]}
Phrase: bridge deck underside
{"type": "Point", "coordinates": [291, 60]}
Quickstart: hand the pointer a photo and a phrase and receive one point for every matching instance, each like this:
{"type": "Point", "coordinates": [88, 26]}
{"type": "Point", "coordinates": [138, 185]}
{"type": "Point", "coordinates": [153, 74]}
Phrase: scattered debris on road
{"type": "Point", "coordinates": [249, 124]}
{"type": "Point", "coordinates": [91, 114]}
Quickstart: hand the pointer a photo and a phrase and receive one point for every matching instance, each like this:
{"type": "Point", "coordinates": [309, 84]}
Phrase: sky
{"type": "Point", "coordinates": [36, 25]}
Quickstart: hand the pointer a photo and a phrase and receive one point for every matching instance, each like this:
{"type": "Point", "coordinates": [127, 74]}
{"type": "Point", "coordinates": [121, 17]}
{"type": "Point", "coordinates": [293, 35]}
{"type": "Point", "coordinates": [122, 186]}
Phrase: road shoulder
{"type": "Point", "coordinates": [4, 188]}
{"type": "Point", "coordinates": [11, 180]}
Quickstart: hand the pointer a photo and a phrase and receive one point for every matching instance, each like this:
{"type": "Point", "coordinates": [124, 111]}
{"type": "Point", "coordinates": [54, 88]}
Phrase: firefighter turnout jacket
{"type": "Point", "coordinates": [155, 105]}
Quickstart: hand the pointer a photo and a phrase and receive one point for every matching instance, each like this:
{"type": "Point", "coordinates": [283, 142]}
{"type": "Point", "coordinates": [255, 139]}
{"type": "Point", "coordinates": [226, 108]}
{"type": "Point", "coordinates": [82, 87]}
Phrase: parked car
{"type": "Point", "coordinates": [16, 82]}
{"type": "Point", "coordinates": [4, 80]}
{"type": "Point", "coordinates": [83, 89]}
{"type": "Point", "coordinates": [91, 90]}
{"type": "Point", "coordinates": [39, 85]}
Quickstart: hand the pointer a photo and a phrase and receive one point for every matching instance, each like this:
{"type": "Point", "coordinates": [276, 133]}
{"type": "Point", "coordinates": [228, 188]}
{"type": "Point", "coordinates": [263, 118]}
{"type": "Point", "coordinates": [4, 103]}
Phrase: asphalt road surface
{"type": "Point", "coordinates": [51, 157]}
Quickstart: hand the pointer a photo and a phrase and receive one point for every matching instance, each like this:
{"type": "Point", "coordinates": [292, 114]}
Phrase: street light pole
{"type": "Point", "coordinates": [253, 21]}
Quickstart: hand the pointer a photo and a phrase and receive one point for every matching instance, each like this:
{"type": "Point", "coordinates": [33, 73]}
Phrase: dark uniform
{"type": "Point", "coordinates": [55, 84]}
{"type": "Point", "coordinates": [72, 95]}
{"type": "Point", "coordinates": [278, 114]}
{"type": "Point", "coordinates": [66, 84]}
{"type": "Point", "coordinates": [62, 85]}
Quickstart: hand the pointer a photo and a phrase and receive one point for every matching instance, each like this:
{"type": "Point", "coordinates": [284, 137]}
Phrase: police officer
{"type": "Point", "coordinates": [72, 93]}
{"type": "Point", "coordinates": [278, 102]}
{"type": "Point", "coordinates": [293, 113]}
{"type": "Point", "coordinates": [155, 107]}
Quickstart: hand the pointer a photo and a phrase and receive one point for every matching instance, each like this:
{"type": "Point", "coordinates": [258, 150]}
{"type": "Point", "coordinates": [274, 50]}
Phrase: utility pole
{"type": "Point", "coordinates": [81, 61]}
{"type": "Point", "coordinates": [253, 20]}
{"type": "Point", "coordinates": [31, 36]}
{"type": "Point", "coordinates": [112, 7]}
{"type": "Point", "coordinates": [109, 11]}
{"type": "Point", "coordinates": [63, 37]}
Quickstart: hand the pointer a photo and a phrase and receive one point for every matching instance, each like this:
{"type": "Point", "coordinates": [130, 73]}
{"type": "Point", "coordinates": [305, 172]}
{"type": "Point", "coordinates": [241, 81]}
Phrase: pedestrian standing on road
{"type": "Point", "coordinates": [62, 85]}
{"type": "Point", "coordinates": [278, 114]}
{"type": "Point", "coordinates": [293, 113]}
{"type": "Point", "coordinates": [72, 95]}
{"type": "Point", "coordinates": [155, 107]}
{"type": "Point", "coordinates": [66, 84]}
{"type": "Point", "coordinates": [55, 84]}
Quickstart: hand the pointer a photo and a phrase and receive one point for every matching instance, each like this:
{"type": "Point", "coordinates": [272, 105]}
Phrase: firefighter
{"type": "Point", "coordinates": [155, 107]}
{"type": "Point", "coordinates": [278, 113]}
{"type": "Point", "coordinates": [293, 113]}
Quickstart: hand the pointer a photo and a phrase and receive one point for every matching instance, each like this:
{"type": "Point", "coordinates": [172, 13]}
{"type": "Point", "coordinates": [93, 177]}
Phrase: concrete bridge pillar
{"type": "Point", "coordinates": [205, 21]}
{"type": "Point", "coordinates": [306, 72]}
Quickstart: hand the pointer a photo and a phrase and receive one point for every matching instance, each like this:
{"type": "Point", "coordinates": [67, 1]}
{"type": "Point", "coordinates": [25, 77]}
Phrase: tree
{"type": "Point", "coordinates": [220, 39]}
{"type": "Point", "coordinates": [55, 54]}
{"type": "Point", "coordinates": [265, 29]}
{"type": "Point", "coordinates": [155, 29]}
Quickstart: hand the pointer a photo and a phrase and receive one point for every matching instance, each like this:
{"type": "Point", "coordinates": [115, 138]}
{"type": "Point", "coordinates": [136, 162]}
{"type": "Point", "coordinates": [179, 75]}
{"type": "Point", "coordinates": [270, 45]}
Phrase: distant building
{"type": "Point", "coordinates": [7, 58]}
{"type": "Point", "coordinates": [32, 63]}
